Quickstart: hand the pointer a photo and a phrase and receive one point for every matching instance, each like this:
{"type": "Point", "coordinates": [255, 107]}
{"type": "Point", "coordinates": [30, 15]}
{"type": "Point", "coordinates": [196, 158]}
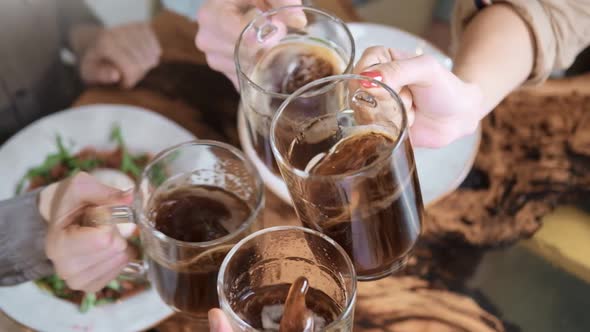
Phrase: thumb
{"type": "Point", "coordinates": [101, 72]}
{"type": "Point", "coordinates": [63, 199]}
{"type": "Point", "coordinates": [218, 322]}
{"type": "Point", "coordinates": [90, 191]}
{"type": "Point", "coordinates": [107, 73]}
{"type": "Point", "coordinates": [294, 17]}
{"type": "Point", "coordinates": [420, 71]}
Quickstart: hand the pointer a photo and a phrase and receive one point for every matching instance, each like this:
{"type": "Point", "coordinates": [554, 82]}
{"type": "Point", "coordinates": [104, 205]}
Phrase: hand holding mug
{"type": "Point", "coordinates": [441, 107]}
{"type": "Point", "coordinates": [87, 258]}
{"type": "Point", "coordinates": [220, 25]}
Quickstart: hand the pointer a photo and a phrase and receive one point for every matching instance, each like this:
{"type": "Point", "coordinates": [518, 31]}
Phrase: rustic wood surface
{"type": "Point", "coordinates": [534, 154]}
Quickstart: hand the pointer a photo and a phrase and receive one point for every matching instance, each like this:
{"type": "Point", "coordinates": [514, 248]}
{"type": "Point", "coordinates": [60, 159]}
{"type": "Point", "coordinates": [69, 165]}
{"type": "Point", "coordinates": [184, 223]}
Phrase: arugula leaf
{"type": "Point", "coordinates": [105, 300]}
{"type": "Point", "coordinates": [50, 162]}
{"type": "Point", "coordinates": [114, 285]}
{"type": "Point", "coordinates": [63, 152]}
{"type": "Point", "coordinates": [86, 164]}
{"type": "Point", "coordinates": [157, 174]}
{"type": "Point", "coordinates": [135, 240]}
{"type": "Point", "coordinates": [128, 163]}
{"type": "Point", "coordinates": [88, 302]}
{"type": "Point", "coordinates": [20, 185]}
{"type": "Point", "coordinates": [116, 136]}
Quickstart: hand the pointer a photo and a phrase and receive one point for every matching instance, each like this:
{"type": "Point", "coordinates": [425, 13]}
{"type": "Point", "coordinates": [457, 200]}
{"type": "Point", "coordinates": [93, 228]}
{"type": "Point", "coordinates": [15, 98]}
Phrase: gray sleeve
{"type": "Point", "coordinates": [72, 13]}
{"type": "Point", "coordinates": [22, 241]}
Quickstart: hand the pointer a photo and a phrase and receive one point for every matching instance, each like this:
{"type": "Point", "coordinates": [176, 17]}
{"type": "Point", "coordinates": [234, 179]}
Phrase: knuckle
{"type": "Point", "coordinates": [103, 241]}
{"type": "Point", "coordinates": [214, 62]}
{"type": "Point", "coordinates": [80, 178]}
{"type": "Point", "coordinates": [430, 61]}
{"type": "Point", "coordinates": [50, 251]}
{"type": "Point", "coordinates": [395, 69]}
{"type": "Point", "coordinates": [75, 283]}
{"type": "Point", "coordinates": [93, 288]}
{"type": "Point", "coordinates": [202, 15]}
{"type": "Point", "coordinates": [63, 272]}
{"type": "Point", "coordinates": [374, 50]}
{"type": "Point", "coordinates": [118, 244]}
{"type": "Point", "coordinates": [201, 41]}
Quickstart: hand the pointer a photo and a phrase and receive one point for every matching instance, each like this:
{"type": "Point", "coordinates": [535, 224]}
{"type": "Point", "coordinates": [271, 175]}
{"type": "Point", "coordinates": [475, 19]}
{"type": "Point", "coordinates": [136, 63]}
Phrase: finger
{"type": "Point", "coordinates": [139, 61]}
{"type": "Point", "coordinates": [95, 274]}
{"type": "Point", "coordinates": [250, 45]}
{"type": "Point", "coordinates": [75, 263]}
{"type": "Point", "coordinates": [148, 45]}
{"type": "Point", "coordinates": [417, 71]}
{"type": "Point", "coordinates": [397, 54]}
{"type": "Point", "coordinates": [211, 43]}
{"type": "Point", "coordinates": [139, 40]}
{"type": "Point", "coordinates": [428, 137]}
{"type": "Point", "coordinates": [80, 240]}
{"type": "Point", "coordinates": [106, 73]}
{"type": "Point", "coordinates": [377, 55]}
{"type": "Point", "coordinates": [97, 71]}
{"type": "Point", "coordinates": [116, 50]}
{"type": "Point", "coordinates": [151, 42]}
{"type": "Point", "coordinates": [371, 57]}
{"type": "Point", "coordinates": [100, 282]}
{"type": "Point", "coordinates": [96, 285]}
{"type": "Point", "coordinates": [406, 97]}
{"type": "Point", "coordinates": [232, 24]}
{"type": "Point", "coordinates": [128, 69]}
{"type": "Point", "coordinates": [293, 17]}
{"type": "Point", "coordinates": [218, 321]}
{"type": "Point", "coordinates": [90, 191]}
{"type": "Point", "coordinates": [221, 64]}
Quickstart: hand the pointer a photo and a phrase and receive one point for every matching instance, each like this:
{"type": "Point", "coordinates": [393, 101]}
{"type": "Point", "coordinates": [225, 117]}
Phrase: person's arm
{"type": "Point", "coordinates": [22, 241]}
{"type": "Point", "coordinates": [496, 53]}
{"type": "Point", "coordinates": [512, 42]}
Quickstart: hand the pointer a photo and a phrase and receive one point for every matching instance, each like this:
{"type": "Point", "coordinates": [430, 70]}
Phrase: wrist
{"type": "Point", "coordinates": [477, 100]}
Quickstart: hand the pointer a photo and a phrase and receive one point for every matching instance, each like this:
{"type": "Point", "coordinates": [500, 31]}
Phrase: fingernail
{"type": "Point", "coordinates": [376, 75]}
{"type": "Point", "coordinates": [213, 323]}
{"type": "Point", "coordinates": [126, 192]}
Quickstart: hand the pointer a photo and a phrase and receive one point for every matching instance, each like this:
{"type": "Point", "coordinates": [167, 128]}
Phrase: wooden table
{"type": "Point", "coordinates": [181, 89]}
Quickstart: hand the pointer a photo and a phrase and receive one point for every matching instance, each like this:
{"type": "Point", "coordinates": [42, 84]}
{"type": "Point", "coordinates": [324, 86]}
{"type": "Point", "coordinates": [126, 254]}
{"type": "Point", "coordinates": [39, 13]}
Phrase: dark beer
{"type": "Point", "coordinates": [266, 308]}
{"type": "Point", "coordinates": [194, 214]}
{"type": "Point", "coordinates": [281, 71]}
{"type": "Point", "coordinates": [358, 193]}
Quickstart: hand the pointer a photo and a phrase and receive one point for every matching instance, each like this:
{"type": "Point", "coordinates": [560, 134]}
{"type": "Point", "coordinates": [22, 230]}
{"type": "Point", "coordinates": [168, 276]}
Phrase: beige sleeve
{"type": "Point", "coordinates": [561, 30]}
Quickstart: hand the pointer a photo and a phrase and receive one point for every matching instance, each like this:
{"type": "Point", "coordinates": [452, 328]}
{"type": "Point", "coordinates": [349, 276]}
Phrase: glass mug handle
{"type": "Point", "coordinates": [115, 215]}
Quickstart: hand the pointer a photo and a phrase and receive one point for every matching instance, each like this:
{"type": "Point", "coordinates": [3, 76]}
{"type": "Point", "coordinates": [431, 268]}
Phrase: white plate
{"type": "Point", "coordinates": [370, 34]}
{"type": "Point", "coordinates": [143, 131]}
{"type": "Point", "coordinates": [440, 171]}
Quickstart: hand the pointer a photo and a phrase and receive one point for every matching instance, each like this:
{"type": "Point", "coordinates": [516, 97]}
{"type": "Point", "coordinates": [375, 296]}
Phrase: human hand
{"type": "Point", "coordinates": [87, 258]}
{"type": "Point", "coordinates": [218, 321]}
{"type": "Point", "coordinates": [220, 25]}
{"type": "Point", "coordinates": [124, 54]}
{"type": "Point", "coordinates": [441, 107]}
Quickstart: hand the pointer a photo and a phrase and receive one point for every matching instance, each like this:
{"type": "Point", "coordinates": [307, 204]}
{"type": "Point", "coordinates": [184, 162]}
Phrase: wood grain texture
{"type": "Point", "coordinates": [534, 154]}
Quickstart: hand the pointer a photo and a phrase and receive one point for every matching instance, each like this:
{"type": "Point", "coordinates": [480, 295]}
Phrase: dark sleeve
{"type": "Point", "coordinates": [72, 13]}
{"type": "Point", "coordinates": [22, 241]}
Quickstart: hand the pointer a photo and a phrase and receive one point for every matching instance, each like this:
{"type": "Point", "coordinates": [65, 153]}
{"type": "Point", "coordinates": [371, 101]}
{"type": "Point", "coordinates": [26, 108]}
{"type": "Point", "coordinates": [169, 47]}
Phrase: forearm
{"type": "Point", "coordinates": [496, 53]}
{"type": "Point", "coordinates": [22, 241]}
